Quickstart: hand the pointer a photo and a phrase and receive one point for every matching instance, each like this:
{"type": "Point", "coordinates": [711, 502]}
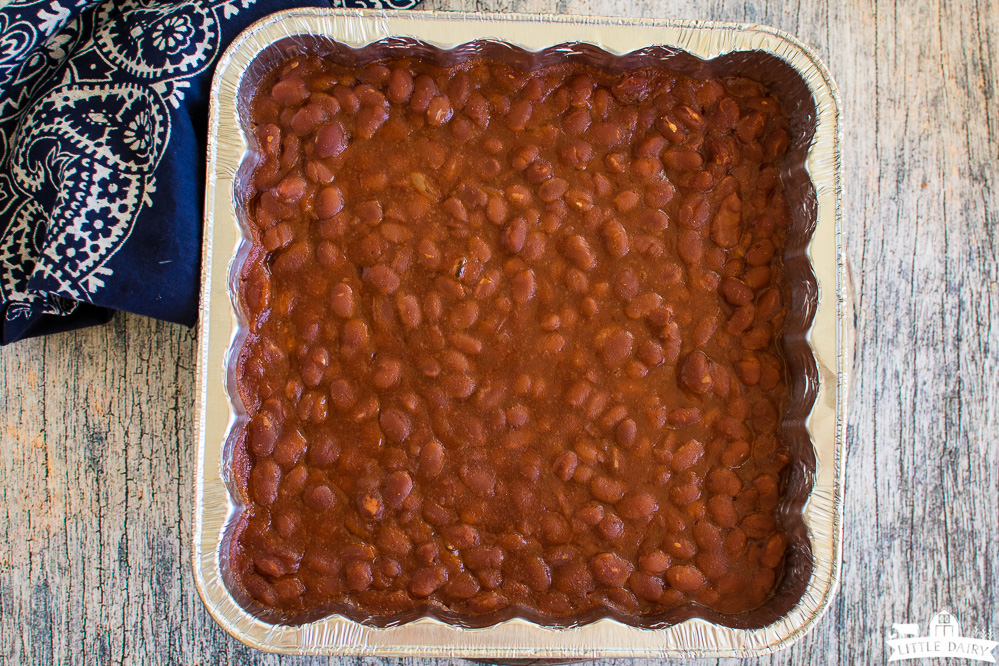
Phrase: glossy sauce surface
{"type": "Point", "coordinates": [514, 342]}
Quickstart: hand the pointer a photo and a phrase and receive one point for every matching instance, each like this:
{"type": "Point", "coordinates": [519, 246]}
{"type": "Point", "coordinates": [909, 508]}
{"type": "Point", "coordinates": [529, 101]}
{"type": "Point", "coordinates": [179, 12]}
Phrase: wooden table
{"type": "Point", "coordinates": [97, 426]}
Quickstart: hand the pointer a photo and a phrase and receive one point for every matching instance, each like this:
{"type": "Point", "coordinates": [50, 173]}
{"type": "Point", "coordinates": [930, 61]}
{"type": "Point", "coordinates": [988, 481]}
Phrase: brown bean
{"type": "Point", "coordinates": [290, 91]}
{"type": "Point", "coordinates": [396, 424]}
{"type": "Point", "coordinates": [439, 111]}
{"type": "Point", "coordinates": [611, 527]}
{"type": "Point", "coordinates": [773, 551]}
{"type": "Point", "coordinates": [695, 373]}
{"type": "Point", "coordinates": [496, 209]}
{"type": "Point", "coordinates": [342, 393]}
{"type": "Point", "coordinates": [606, 489]}
{"type": "Point", "coordinates": [400, 86]}
{"type": "Point", "coordinates": [735, 453]}
{"type": "Point", "coordinates": [524, 156]}
{"type": "Point", "coordinates": [605, 134]}
{"type": "Point", "coordinates": [658, 195]}
{"type": "Point", "coordinates": [643, 304]}
{"type": "Point", "coordinates": [291, 188]}
{"type": "Point", "coordinates": [680, 159]}
{"type": "Point", "coordinates": [424, 90]}
{"type": "Point", "coordinates": [329, 202]}
{"type": "Point", "coordinates": [356, 336]}
{"type": "Point", "coordinates": [637, 507]}
{"type": "Point", "coordinates": [615, 239]}
{"type": "Point", "coordinates": [540, 171]}
{"type": "Point", "coordinates": [466, 343]}
{"type": "Point", "coordinates": [758, 525]}
{"type": "Point", "coordinates": [685, 578]}
{"type": "Point", "coordinates": [576, 122]}
{"type": "Point", "coordinates": [654, 563]}
{"type": "Point", "coordinates": [342, 300]}
{"type": "Point", "coordinates": [518, 195]}
{"type": "Point", "coordinates": [515, 234]}
{"type": "Point", "coordinates": [358, 576]}
{"type": "Point", "coordinates": [726, 227]}
{"type": "Point", "coordinates": [690, 118]}
{"type": "Point", "coordinates": [610, 569]}
{"type": "Point", "coordinates": [741, 319]}
{"type": "Point", "coordinates": [760, 252]}
{"type": "Point", "coordinates": [615, 346]}
{"type": "Point", "coordinates": [319, 498]}
{"type": "Point", "coordinates": [331, 140]}
{"type": "Point", "coordinates": [749, 370]}
{"type": "Point", "coordinates": [579, 253]}
{"type": "Point", "coordinates": [480, 558]}
{"type": "Point", "coordinates": [307, 119]}
{"type": "Point", "coordinates": [369, 120]}
{"type": "Point", "coordinates": [312, 407]}
{"type": "Point", "coordinates": [626, 432]}
{"type": "Point", "coordinates": [694, 211]}
{"type": "Point", "coordinates": [690, 246]}
{"type": "Point", "coordinates": [536, 574]}
{"type": "Point", "coordinates": [517, 415]}
{"type": "Point", "coordinates": [768, 304]}
{"type": "Point", "coordinates": [263, 433]}
{"type": "Point", "coordinates": [519, 114]}
{"type": "Point", "coordinates": [277, 237]}
{"type": "Point", "coordinates": [681, 547]}
{"type": "Point", "coordinates": [687, 455]}
{"type": "Point", "coordinates": [645, 586]}
{"type": "Point", "coordinates": [461, 536]}
{"type": "Point", "coordinates": [393, 541]}
{"type": "Point", "coordinates": [552, 189]}
{"type": "Point", "coordinates": [398, 485]}
{"type": "Point", "coordinates": [758, 337]}
{"type": "Point", "coordinates": [768, 491]}
{"type": "Point", "coordinates": [264, 480]}
{"type": "Point", "coordinates": [382, 278]}
{"type": "Point", "coordinates": [522, 286]}
{"type": "Point", "coordinates": [464, 314]}
{"type": "Point", "coordinates": [650, 353]}
{"type": "Point", "coordinates": [735, 291]}
{"type": "Point", "coordinates": [463, 586]}
{"type": "Point", "coordinates": [771, 372]}
{"type": "Point", "coordinates": [369, 211]}
{"type": "Point", "coordinates": [653, 220]}
{"type": "Point", "coordinates": [574, 578]}
{"type": "Point", "coordinates": [723, 511]}
{"type": "Point", "coordinates": [750, 126]}
{"type": "Point", "coordinates": [289, 449]}
{"type": "Point", "coordinates": [579, 200]}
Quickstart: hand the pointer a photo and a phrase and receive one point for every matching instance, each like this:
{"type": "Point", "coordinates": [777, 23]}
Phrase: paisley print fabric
{"type": "Point", "coordinates": [103, 113]}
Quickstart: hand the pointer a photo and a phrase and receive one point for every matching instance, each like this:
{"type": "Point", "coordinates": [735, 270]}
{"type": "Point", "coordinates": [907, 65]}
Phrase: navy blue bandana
{"type": "Point", "coordinates": [103, 117]}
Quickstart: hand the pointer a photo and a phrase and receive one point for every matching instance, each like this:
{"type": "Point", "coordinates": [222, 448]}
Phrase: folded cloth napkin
{"type": "Point", "coordinates": [103, 121]}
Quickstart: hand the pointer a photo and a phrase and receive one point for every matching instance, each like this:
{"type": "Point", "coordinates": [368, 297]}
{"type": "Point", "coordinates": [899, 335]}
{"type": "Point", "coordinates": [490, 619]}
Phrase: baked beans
{"type": "Point", "coordinates": [515, 341]}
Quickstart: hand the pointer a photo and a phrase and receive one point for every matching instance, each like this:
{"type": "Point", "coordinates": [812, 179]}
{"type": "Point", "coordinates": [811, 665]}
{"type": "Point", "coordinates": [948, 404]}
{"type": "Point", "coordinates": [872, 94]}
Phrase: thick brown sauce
{"type": "Point", "coordinates": [514, 341]}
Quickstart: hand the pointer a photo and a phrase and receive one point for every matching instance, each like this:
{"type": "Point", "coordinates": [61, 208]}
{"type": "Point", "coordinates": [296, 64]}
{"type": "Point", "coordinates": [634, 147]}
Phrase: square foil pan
{"type": "Point", "coordinates": [817, 342]}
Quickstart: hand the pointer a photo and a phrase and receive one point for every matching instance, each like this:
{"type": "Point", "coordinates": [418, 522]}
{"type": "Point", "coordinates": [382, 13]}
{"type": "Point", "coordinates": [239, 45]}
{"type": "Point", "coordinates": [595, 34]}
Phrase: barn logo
{"type": "Point", "coordinates": [944, 639]}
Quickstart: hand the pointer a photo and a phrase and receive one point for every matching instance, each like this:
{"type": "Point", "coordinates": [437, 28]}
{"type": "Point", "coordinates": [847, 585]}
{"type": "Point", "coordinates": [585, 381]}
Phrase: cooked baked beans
{"type": "Point", "coordinates": [514, 341]}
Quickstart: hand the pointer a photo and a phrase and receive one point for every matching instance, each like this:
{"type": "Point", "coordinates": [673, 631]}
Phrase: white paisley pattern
{"type": "Point", "coordinates": [92, 143]}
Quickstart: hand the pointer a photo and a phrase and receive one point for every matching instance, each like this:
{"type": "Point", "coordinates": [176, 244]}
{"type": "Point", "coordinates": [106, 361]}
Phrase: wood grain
{"type": "Point", "coordinates": [96, 462]}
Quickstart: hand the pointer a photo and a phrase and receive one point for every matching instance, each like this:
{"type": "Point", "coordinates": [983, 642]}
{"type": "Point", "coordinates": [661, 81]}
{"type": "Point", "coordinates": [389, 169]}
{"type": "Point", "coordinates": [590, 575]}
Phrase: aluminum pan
{"type": "Point", "coordinates": [828, 339]}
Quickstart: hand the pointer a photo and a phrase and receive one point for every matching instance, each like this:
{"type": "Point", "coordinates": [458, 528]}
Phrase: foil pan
{"type": "Point", "coordinates": [817, 343]}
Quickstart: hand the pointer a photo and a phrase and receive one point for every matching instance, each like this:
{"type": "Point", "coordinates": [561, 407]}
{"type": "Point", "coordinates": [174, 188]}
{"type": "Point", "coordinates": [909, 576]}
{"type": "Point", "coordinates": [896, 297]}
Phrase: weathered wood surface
{"type": "Point", "coordinates": [96, 462]}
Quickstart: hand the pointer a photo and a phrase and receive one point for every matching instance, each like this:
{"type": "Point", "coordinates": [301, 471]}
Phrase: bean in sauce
{"type": "Point", "coordinates": [514, 341]}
